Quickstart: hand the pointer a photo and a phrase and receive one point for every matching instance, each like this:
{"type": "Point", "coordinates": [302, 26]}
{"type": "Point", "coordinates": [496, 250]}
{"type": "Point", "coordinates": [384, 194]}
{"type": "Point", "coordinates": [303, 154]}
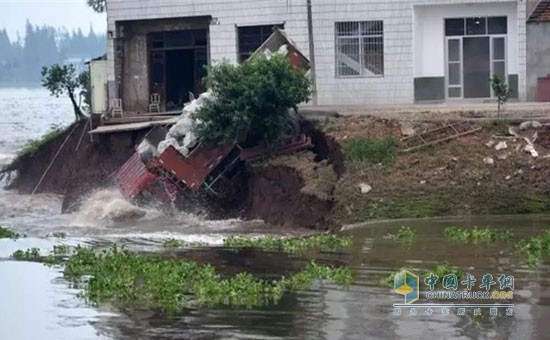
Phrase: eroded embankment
{"type": "Point", "coordinates": [80, 166]}
{"type": "Point", "coordinates": [277, 193]}
{"type": "Point", "coordinates": [326, 187]}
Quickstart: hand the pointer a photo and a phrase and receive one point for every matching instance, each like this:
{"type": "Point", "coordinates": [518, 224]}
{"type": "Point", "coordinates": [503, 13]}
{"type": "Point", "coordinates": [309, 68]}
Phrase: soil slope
{"type": "Point", "coordinates": [321, 188]}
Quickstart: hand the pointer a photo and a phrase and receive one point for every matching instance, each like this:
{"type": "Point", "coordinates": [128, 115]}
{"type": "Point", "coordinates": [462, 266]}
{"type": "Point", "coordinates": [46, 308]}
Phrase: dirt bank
{"type": "Point", "coordinates": [325, 188]}
{"type": "Point", "coordinates": [74, 172]}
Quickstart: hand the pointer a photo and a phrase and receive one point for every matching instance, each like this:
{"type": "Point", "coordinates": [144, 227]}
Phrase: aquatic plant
{"type": "Point", "coordinates": [323, 242]}
{"type": "Point", "coordinates": [406, 234]}
{"type": "Point", "coordinates": [31, 254]}
{"type": "Point", "coordinates": [173, 243]}
{"type": "Point", "coordinates": [62, 249]}
{"type": "Point", "coordinates": [59, 234]}
{"type": "Point", "coordinates": [6, 233]}
{"type": "Point", "coordinates": [129, 279]}
{"type": "Point", "coordinates": [439, 270]}
{"type": "Point", "coordinates": [476, 235]}
{"type": "Point", "coordinates": [370, 150]}
{"type": "Point", "coordinates": [534, 248]}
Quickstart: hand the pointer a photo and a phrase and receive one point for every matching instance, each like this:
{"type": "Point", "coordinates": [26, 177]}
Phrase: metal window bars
{"type": "Point", "coordinates": [359, 48]}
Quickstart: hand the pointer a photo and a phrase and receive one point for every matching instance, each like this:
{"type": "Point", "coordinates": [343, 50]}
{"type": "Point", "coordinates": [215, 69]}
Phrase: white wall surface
{"type": "Point", "coordinates": [401, 40]}
{"type": "Point", "coordinates": [429, 34]}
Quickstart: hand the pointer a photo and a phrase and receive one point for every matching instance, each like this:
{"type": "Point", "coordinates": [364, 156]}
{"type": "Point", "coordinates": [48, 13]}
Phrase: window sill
{"type": "Point", "coordinates": [360, 77]}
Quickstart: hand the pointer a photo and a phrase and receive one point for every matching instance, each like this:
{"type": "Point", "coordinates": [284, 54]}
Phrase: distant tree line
{"type": "Point", "coordinates": [21, 60]}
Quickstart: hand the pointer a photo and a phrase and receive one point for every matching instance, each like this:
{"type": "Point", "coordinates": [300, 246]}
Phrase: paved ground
{"type": "Point", "coordinates": [446, 111]}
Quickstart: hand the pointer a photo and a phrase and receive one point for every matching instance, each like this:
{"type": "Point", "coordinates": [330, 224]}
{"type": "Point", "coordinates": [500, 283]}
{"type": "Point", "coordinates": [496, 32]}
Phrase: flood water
{"type": "Point", "coordinates": [37, 303]}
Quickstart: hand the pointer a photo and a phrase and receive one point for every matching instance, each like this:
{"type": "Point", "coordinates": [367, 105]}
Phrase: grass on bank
{"type": "Point", "coordinates": [476, 235]}
{"type": "Point", "coordinates": [32, 146]}
{"type": "Point", "coordinates": [324, 242]}
{"type": "Point", "coordinates": [373, 151]}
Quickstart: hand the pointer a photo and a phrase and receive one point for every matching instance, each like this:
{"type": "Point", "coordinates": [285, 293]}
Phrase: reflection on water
{"type": "Point", "coordinates": [364, 311]}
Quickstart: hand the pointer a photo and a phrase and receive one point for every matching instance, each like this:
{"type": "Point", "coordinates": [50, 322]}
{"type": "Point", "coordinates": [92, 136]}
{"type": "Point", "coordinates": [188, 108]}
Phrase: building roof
{"type": "Point", "coordinates": [541, 13]}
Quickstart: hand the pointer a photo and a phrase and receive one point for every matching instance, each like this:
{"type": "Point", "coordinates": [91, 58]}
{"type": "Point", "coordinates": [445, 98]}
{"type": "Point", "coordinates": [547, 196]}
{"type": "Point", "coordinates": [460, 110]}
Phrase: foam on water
{"type": "Point", "coordinates": [106, 207]}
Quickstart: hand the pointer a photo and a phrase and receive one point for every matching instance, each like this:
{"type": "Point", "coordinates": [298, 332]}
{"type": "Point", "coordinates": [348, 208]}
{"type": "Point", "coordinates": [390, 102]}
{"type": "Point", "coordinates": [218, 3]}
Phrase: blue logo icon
{"type": "Point", "coordinates": [407, 284]}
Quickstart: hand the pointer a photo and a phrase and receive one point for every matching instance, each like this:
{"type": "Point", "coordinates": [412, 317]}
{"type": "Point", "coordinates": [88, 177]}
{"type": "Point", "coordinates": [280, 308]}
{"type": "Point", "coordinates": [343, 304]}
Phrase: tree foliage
{"type": "Point", "coordinates": [501, 90]}
{"type": "Point", "coordinates": [251, 101]}
{"type": "Point", "coordinates": [63, 79]}
{"type": "Point", "coordinates": [98, 5]}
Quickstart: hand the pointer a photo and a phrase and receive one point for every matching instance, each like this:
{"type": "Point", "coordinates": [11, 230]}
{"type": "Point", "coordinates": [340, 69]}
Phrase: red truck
{"type": "Point", "coordinates": [169, 175]}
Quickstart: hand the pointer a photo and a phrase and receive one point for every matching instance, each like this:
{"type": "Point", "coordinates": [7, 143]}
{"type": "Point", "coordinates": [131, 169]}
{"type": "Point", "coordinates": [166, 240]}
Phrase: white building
{"type": "Point", "coordinates": [366, 52]}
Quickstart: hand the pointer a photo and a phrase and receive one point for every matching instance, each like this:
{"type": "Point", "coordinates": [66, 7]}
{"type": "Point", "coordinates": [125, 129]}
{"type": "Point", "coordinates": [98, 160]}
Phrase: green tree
{"type": "Point", "coordinates": [61, 80]}
{"type": "Point", "coordinates": [251, 101]}
{"type": "Point", "coordinates": [98, 5]}
{"type": "Point", "coordinates": [501, 90]}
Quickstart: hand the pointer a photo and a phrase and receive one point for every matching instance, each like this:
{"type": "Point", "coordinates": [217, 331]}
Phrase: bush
{"type": "Point", "coordinates": [251, 101]}
{"type": "Point", "coordinates": [371, 150]}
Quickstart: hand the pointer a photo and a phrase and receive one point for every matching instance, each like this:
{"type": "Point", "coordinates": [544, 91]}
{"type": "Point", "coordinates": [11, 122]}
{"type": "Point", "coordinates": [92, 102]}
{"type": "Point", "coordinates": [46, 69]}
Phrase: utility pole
{"type": "Point", "coordinates": [311, 52]}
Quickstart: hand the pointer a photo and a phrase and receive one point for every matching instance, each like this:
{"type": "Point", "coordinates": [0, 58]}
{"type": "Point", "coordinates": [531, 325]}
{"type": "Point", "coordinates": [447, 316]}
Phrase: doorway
{"type": "Point", "coordinates": [177, 67]}
{"type": "Point", "coordinates": [475, 51]}
{"type": "Point", "coordinates": [179, 78]}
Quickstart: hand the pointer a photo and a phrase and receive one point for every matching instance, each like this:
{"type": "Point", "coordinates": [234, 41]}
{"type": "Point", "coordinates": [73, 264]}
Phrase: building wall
{"type": "Point", "coordinates": [429, 43]}
{"type": "Point", "coordinates": [395, 87]}
{"type": "Point", "coordinates": [538, 55]}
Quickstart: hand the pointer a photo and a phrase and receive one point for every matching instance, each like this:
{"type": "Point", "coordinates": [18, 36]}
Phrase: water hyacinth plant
{"type": "Point", "coordinates": [534, 248]}
{"type": "Point", "coordinates": [324, 242]}
{"type": "Point", "coordinates": [173, 243]}
{"type": "Point", "coordinates": [128, 279]}
{"type": "Point", "coordinates": [7, 233]}
{"type": "Point", "coordinates": [476, 235]}
{"type": "Point", "coordinates": [32, 254]}
{"type": "Point", "coordinates": [403, 234]}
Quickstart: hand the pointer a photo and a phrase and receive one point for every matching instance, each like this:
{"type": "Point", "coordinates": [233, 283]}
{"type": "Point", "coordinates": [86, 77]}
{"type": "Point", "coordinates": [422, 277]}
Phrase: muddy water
{"type": "Point", "coordinates": [36, 302]}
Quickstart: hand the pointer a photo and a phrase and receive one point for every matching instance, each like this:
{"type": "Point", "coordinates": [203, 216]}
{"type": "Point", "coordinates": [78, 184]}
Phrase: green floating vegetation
{"type": "Point", "coordinates": [440, 270]}
{"type": "Point", "coordinates": [406, 234]}
{"type": "Point", "coordinates": [173, 243]}
{"type": "Point", "coordinates": [534, 248]}
{"type": "Point", "coordinates": [59, 235]}
{"type": "Point", "coordinates": [324, 242]}
{"type": "Point", "coordinates": [476, 235]}
{"type": "Point", "coordinates": [31, 254]}
{"type": "Point", "coordinates": [57, 256]}
{"type": "Point", "coordinates": [370, 150]}
{"type": "Point", "coordinates": [128, 279]}
{"type": "Point", "coordinates": [7, 233]}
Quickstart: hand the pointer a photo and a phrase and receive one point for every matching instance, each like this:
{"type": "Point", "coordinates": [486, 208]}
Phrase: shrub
{"type": "Point", "coordinates": [251, 101]}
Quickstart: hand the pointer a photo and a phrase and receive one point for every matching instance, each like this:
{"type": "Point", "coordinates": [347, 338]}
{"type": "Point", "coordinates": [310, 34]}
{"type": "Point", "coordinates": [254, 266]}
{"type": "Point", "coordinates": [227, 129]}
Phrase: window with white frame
{"type": "Point", "coordinates": [360, 48]}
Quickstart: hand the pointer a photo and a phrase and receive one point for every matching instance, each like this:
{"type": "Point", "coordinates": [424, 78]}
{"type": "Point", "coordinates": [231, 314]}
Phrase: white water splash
{"type": "Point", "coordinates": [108, 206]}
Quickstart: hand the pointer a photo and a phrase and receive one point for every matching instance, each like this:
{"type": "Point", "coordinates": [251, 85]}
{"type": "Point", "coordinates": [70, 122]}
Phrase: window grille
{"type": "Point", "coordinates": [360, 48]}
